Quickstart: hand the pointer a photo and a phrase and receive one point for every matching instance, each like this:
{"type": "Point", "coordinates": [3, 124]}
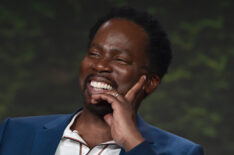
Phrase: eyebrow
{"type": "Point", "coordinates": [96, 45]}
{"type": "Point", "coordinates": [112, 49]}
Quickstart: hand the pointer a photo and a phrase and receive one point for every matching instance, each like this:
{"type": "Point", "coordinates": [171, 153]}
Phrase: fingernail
{"type": "Point", "coordinates": [144, 76]}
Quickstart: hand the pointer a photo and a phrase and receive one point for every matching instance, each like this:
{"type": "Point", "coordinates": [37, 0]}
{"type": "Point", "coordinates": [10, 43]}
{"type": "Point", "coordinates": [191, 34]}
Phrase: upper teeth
{"type": "Point", "coordinates": [100, 85]}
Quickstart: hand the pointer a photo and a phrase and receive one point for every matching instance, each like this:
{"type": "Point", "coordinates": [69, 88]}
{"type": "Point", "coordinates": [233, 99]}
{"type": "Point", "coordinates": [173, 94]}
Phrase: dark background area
{"type": "Point", "coordinates": [42, 43]}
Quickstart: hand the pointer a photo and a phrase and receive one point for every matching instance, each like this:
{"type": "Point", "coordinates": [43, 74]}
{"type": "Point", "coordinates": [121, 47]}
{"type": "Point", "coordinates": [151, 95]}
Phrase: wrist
{"type": "Point", "coordinates": [133, 141]}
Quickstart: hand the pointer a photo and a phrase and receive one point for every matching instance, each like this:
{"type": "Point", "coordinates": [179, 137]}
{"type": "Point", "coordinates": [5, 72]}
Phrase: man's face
{"type": "Point", "coordinates": [115, 60]}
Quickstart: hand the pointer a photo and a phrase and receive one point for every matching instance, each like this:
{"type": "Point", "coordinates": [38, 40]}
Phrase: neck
{"type": "Point", "coordinates": [88, 125]}
{"type": "Point", "coordinates": [87, 118]}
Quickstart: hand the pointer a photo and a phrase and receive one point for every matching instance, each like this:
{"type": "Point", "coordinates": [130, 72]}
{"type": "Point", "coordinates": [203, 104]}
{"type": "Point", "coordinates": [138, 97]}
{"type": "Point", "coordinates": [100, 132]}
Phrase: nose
{"type": "Point", "coordinates": [103, 65]}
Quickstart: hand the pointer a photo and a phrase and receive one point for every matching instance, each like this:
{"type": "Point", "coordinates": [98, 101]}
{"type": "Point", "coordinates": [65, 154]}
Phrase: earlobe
{"type": "Point", "coordinates": [152, 83]}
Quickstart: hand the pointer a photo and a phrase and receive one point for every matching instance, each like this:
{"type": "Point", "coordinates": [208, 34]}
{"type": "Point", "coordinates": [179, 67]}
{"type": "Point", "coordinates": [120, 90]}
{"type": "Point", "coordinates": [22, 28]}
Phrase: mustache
{"type": "Point", "coordinates": [87, 79]}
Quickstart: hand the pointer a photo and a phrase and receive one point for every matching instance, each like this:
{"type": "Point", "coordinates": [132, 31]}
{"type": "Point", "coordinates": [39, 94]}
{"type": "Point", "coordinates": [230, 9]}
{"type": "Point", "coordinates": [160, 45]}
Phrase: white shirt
{"type": "Point", "coordinates": [71, 143]}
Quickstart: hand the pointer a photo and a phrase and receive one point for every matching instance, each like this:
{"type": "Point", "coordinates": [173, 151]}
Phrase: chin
{"type": "Point", "coordinates": [99, 109]}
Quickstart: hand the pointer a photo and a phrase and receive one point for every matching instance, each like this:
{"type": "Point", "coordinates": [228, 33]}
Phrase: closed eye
{"type": "Point", "coordinates": [121, 61]}
{"type": "Point", "coordinates": [94, 54]}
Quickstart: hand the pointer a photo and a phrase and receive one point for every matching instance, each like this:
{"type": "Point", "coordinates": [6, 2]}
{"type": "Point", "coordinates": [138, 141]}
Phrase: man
{"type": "Point", "coordinates": [127, 57]}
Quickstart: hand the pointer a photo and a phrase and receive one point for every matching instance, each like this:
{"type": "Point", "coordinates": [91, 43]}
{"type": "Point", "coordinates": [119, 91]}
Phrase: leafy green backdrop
{"type": "Point", "coordinates": [42, 43]}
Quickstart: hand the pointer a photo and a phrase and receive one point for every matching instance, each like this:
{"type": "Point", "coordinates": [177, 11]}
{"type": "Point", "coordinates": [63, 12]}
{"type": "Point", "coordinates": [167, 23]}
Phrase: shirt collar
{"type": "Point", "coordinates": [75, 134]}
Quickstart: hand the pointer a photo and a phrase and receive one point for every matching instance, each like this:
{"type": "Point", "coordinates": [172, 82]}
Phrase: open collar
{"type": "Point", "coordinates": [48, 137]}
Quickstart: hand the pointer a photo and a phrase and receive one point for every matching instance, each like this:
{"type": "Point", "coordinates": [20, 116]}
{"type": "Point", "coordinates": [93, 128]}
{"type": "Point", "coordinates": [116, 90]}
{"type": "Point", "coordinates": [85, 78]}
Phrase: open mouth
{"type": "Point", "coordinates": [100, 85]}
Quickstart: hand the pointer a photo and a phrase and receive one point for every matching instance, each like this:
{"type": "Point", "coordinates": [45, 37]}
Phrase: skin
{"type": "Point", "coordinates": [117, 56]}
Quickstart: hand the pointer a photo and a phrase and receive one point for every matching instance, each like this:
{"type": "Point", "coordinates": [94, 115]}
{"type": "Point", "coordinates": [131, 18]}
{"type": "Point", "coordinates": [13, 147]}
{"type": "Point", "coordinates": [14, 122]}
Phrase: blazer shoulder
{"type": "Point", "coordinates": [2, 128]}
{"type": "Point", "coordinates": [165, 142]}
{"type": "Point", "coordinates": [28, 122]}
{"type": "Point", "coordinates": [174, 143]}
{"type": "Point", "coordinates": [17, 135]}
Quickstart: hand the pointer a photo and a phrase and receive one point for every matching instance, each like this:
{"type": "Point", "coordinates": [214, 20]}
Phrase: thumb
{"type": "Point", "coordinates": [108, 118]}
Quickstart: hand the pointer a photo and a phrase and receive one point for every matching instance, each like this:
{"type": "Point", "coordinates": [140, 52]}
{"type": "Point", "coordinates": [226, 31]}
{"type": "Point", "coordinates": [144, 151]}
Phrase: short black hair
{"type": "Point", "coordinates": [159, 49]}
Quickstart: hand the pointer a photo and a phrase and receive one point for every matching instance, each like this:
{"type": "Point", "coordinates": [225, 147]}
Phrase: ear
{"type": "Point", "coordinates": [152, 82]}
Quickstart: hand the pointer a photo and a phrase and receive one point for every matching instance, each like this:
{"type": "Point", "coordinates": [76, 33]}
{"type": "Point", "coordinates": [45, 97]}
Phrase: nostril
{"type": "Point", "coordinates": [103, 66]}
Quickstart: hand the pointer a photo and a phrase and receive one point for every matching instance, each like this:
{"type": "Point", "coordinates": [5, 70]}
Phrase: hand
{"type": "Point", "coordinates": [123, 119]}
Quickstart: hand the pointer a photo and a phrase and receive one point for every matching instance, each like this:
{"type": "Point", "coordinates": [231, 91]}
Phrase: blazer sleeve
{"type": "Point", "coordinates": [146, 149]}
{"type": "Point", "coordinates": [2, 130]}
{"type": "Point", "coordinates": [142, 149]}
{"type": "Point", "coordinates": [196, 150]}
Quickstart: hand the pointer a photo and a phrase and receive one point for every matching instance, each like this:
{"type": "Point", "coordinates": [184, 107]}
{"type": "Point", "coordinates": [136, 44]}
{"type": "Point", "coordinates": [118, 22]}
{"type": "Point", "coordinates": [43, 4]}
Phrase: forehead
{"type": "Point", "coordinates": [122, 33]}
{"type": "Point", "coordinates": [128, 27]}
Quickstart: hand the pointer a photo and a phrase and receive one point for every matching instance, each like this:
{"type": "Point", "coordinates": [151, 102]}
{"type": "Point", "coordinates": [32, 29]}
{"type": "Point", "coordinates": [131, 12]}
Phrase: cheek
{"type": "Point", "coordinates": [83, 70]}
{"type": "Point", "coordinates": [126, 78]}
{"type": "Point", "coordinates": [82, 67]}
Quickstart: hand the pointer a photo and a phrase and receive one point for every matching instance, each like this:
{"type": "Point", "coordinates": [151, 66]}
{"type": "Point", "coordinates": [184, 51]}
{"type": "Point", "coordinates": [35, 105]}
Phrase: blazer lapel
{"type": "Point", "coordinates": [48, 137]}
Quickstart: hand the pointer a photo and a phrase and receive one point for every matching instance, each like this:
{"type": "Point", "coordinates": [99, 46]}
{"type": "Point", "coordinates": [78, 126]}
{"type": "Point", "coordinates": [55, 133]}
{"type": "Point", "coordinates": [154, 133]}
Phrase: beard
{"type": "Point", "coordinates": [100, 109]}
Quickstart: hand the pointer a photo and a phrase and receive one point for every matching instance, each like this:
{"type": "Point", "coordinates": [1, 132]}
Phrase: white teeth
{"type": "Point", "coordinates": [100, 85]}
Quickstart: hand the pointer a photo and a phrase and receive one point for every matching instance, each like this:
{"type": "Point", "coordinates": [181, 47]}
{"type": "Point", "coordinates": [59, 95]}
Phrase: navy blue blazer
{"type": "Point", "coordinates": [40, 135]}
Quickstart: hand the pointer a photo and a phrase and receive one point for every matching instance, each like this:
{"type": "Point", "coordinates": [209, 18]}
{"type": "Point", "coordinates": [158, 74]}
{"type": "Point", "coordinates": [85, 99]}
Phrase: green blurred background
{"type": "Point", "coordinates": [42, 43]}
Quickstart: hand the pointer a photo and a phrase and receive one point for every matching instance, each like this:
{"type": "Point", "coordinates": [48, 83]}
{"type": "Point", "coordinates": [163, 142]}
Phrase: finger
{"type": "Point", "coordinates": [93, 101]}
{"type": "Point", "coordinates": [115, 94]}
{"type": "Point", "coordinates": [131, 94]}
{"type": "Point", "coordinates": [109, 98]}
{"type": "Point", "coordinates": [108, 118]}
